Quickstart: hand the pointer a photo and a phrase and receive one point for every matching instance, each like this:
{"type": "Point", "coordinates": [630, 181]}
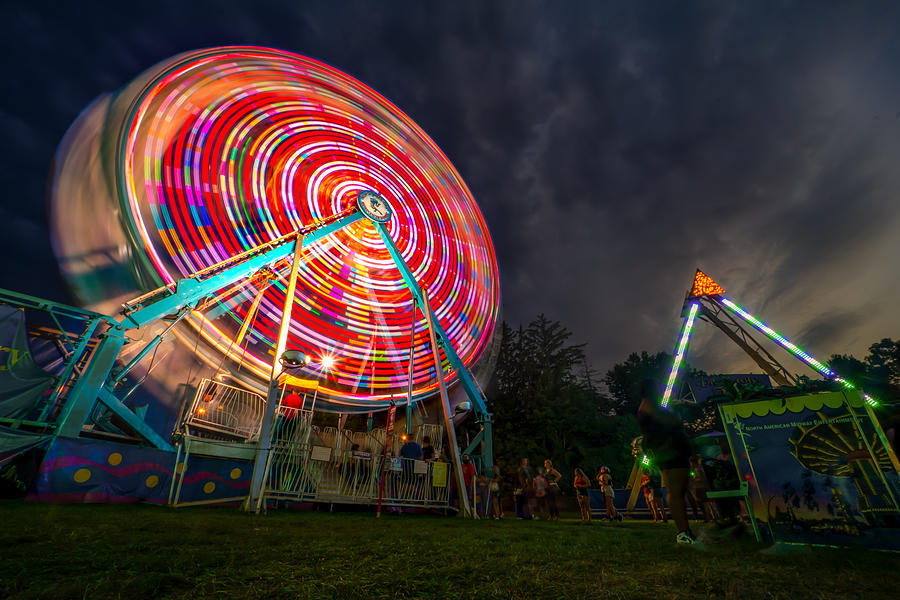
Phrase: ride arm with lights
{"type": "Point", "coordinates": [98, 381]}
{"type": "Point", "coordinates": [465, 378]}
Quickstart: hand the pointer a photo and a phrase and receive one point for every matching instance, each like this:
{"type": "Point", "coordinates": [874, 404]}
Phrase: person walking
{"type": "Point", "coordinates": [553, 478]}
{"type": "Point", "coordinates": [582, 489]}
{"type": "Point", "coordinates": [669, 448]}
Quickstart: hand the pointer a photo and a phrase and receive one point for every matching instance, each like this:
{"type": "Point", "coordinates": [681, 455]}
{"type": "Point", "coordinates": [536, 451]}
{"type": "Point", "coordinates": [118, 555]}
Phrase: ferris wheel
{"type": "Point", "coordinates": [224, 150]}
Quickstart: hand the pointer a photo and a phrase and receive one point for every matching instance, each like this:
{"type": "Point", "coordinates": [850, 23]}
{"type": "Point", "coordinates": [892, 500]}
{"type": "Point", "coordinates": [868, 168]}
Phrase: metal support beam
{"type": "Point", "coordinates": [479, 437]}
{"type": "Point", "coordinates": [190, 291]}
{"type": "Point", "coordinates": [712, 311]}
{"type": "Point", "coordinates": [83, 395]}
{"type": "Point", "coordinates": [465, 378]}
{"type": "Point", "coordinates": [261, 463]}
{"type": "Point", "coordinates": [148, 347]}
{"type": "Point", "coordinates": [134, 422]}
{"type": "Point", "coordinates": [465, 509]}
{"type": "Point", "coordinates": [74, 357]}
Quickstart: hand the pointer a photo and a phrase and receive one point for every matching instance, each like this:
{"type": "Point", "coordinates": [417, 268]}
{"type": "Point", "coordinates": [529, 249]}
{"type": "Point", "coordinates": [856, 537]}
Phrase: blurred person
{"type": "Point", "coordinates": [669, 448]}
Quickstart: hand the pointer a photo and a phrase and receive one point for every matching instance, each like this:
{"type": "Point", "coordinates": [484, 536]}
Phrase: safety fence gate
{"type": "Point", "coordinates": [307, 463]}
{"type": "Point", "coordinates": [303, 468]}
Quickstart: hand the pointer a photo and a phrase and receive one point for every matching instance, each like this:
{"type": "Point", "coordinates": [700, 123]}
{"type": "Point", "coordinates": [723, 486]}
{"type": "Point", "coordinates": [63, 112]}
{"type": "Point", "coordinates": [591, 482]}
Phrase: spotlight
{"type": "Point", "coordinates": [327, 361]}
{"type": "Point", "coordinates": [291, 359]}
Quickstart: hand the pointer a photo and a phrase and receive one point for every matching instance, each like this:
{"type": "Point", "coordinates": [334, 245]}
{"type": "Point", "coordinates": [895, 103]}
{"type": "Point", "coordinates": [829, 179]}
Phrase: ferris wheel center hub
{"type": "Point", "coordinates": [374, 206]}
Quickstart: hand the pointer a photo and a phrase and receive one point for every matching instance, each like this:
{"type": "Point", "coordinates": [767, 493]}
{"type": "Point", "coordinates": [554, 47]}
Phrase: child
{"type": "Point", "coordinates": [582, 485]}
{"type": "Point", "coordinates": [540, 491]}
{"type": "Point", "coordinates": [604, 480]}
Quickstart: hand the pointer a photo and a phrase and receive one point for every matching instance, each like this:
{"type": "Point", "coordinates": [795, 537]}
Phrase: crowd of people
{"type": "Point", "coordinates": [537, 491]}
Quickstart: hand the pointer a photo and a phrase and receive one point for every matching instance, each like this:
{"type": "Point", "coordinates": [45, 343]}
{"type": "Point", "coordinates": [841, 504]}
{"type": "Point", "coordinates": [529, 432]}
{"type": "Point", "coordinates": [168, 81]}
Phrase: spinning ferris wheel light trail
{"type": "Point", "coordinates": [224, 150]}
{"type": "Point", "coordinates": [217, 173]}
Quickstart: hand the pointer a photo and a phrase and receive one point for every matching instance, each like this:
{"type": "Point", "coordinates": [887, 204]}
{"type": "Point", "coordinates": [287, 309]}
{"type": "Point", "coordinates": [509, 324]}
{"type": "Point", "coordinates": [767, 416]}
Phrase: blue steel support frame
{"type": "Point", "coordinates": [96, 382]}
{"type": "Point", "coordinates": [465, 378]}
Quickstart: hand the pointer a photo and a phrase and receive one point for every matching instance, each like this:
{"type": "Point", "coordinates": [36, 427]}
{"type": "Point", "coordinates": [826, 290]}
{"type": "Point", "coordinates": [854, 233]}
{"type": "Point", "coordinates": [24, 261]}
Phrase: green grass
{"type": "Point", "coordinates": [133, 552]}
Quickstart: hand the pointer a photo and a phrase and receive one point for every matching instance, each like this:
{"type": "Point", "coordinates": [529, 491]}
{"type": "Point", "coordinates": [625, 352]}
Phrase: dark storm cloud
{"type": "Point", "coordinates": [613, 147]}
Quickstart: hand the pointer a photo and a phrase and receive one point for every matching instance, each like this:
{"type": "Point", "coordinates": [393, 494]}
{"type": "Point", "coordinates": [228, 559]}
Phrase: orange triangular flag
{"type": "Point", "coordinates": [705, 286]}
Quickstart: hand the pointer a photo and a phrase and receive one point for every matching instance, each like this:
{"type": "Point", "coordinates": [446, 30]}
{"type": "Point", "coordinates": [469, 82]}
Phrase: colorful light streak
{"type": "Point", "coordinates": [796, 351]}
{"type": "Point", "coordinates": [679, 354]}
{"type": "Point", "coordinates": [228, 148]}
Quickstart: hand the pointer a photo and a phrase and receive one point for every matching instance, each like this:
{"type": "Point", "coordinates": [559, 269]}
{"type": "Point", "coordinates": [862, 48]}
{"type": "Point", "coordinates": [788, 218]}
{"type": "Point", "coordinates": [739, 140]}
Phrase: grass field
{"type": "Point", "coordinates": [133, 552]}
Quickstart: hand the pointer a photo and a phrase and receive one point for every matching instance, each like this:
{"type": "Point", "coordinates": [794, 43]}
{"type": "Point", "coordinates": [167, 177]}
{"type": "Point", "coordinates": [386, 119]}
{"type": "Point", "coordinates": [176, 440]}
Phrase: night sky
{"type": "Point", "coordinates": [613, 147]}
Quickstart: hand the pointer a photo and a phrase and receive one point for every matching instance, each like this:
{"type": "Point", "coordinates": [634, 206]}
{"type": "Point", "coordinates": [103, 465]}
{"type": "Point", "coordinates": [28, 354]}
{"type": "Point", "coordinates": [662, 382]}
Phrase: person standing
{"type": "Point", "coordinates": [582, 493]}
{"type": "Point", "coordinates": [697, 488]}
{"type": "Point", "coordinates": [669, 449]}
{"type": "Point", "coordinates": [496, 481]}
{"type": "Point", "coordinates": [411, 450]}
{"type": "Point", "coordinates": [468, 471]}
{"type": "Point", "coordinates": [653, 497]}
{"type": "Point", "coordinates": [482, 499]}
{"type": "Point", "coordinates": [553, 478]}
{"type": "Point", "coordinates": [525, 482]}
{"type": "Point", "coordinates": [427, 449]}
{"type": "Point", "coordinates": [604, 480]}
{"type": "Point", "coordinates": [540, 492]}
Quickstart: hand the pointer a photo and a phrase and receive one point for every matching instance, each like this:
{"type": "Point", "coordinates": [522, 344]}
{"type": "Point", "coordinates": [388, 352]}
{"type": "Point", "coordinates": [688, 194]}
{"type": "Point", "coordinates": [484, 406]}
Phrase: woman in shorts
{"type": "Point", "coordinates": [582, 487]}
{"type": "Point", "coordinates": [604, 480]}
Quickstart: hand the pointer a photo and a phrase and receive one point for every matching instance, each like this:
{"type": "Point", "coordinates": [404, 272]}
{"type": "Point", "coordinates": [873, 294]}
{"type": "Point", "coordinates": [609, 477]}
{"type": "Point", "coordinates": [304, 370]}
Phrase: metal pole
{"type": "Point", "coordinates": [412, 354]}
{"type": "Point", "coordinates": [74, 357]}
{"type": "Point", "coordinates": [388, 439]}
{"type": "Point", "coordinates": [264, 445]}
{"type": "Point", "coordinates": [865, 438]}
{"type": "Point", "coordinates": [445, 404]}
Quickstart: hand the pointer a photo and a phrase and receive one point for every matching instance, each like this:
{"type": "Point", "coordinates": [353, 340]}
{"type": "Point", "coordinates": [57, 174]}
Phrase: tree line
{"type": "Point", "coordinates": [549, 403]}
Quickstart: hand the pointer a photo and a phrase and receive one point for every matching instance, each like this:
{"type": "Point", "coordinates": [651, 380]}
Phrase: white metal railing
{"type": "Point", "coordinates": [309, 472]}
{"type": "Point", "coordinates": [226, 409]}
